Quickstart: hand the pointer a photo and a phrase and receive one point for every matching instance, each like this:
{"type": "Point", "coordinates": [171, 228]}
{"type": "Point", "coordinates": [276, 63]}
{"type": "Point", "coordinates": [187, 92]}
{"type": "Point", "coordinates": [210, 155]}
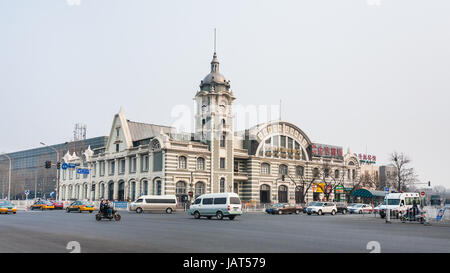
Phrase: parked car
{"type": "Point", "coordinates": [379, 208]}
{"type": "Point", "coordinates": [361, 208]}
{"type": "Point", "coordinates": [283, 208]}
{"type": "Point", "coordinates": [321, 208]}
{"type": "Point", "coordinates": [7, 207]}
{"type": "Point", "coordinates": [80, 206]}
{"type": "Point", "coordinates": [227, 204]}
{"type": "Point", "coordinates": [341, 207]}
{"type": "Point", "coordinates": [160, 203]}
{"type": "Point", "coordinates": [42, 205]}
{"type": "Point", "coordinates": [57, 204]}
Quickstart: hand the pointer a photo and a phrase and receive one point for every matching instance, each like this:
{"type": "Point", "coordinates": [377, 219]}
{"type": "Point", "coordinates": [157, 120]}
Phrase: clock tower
{"type": "Point", "coordinates": [214, 126]}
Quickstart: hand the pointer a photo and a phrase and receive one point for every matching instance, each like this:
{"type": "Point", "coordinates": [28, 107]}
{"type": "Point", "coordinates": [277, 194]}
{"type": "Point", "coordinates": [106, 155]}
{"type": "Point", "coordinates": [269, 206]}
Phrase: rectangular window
{"type": "Point", "coordinates": [144, 163]}
{"type": "Point", "coordinates": [235, 200]}
{"type": "Point", "coordinates": [157, 161]}
{"type": "Point", "coordinates": [222, 162]}
{"type": "Point", "coordinates": [117, 147]}
{"type": "Point", "coordinates": [122, 165]}
{"type": "Point", "coordinates": [207, 201]}
{"type": "Point", "coordinates": [276, 141]}
{"type": "Point", "coordinates": [133, 164]}
{"type": "Point", "coordinates": [283, 141]}
{"type": "Point", "coordinates": [112, 166]}
{"type": "Point", "coordinates": [223, 140]}
{"type": "Point", "coordinates": [220, 201]}
{"type": "Point", "coordinates": [290, 143]}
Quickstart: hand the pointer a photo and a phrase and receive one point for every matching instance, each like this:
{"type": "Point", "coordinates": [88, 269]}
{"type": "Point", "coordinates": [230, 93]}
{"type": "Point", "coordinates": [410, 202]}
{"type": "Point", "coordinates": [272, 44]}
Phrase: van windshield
{"type": "Point", "coordinates": [235, 200]}
{"type": "Point", "coordinates": [393, 201]}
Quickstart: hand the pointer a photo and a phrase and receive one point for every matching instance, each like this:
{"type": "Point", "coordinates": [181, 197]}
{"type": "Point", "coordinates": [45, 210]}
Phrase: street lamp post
{"type": "Point", "coordinates": [57, 171]}
{"type": "Point", "coordinates": [9, 176]}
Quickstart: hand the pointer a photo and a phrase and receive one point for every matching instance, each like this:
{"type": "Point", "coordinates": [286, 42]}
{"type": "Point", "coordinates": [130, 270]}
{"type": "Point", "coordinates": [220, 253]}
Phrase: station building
{"type": "Point", "coordinates": [268, 163]}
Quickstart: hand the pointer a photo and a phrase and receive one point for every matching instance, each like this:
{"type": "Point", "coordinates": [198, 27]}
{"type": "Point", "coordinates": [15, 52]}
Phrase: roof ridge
{"type": "Point", "coordinates": [149, 124]}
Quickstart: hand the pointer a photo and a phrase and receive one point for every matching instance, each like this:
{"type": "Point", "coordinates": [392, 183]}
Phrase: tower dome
{"type": "Point", "coordinates": [214, 81]}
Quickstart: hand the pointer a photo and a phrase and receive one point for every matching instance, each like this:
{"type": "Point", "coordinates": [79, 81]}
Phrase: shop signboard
{"type": "Point", "coordinates": [339, 189]}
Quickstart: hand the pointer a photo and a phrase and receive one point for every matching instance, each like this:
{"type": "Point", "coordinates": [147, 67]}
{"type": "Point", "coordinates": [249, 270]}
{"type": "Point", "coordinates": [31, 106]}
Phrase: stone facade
{"type": "Point", "coordinates": [267, 163]}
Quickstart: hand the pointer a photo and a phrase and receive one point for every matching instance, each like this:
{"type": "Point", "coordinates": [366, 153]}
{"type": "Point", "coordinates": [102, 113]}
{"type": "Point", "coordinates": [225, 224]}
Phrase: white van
{"type": "Point", "coordinates": [167, 203]}
{"type": "Point", "coordinates": [227, 204]}
{"type": "Point", "coordinates": [401, 201]}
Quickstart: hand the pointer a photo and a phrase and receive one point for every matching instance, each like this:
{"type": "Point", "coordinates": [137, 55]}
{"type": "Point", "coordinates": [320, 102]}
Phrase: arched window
{"type": "Point", "coordinates": [199, 189]}
{"type": "Point", "coordinates": [282, 194]}
{"type": "Point", "coordinates": [155, 144]}
{"type": "Point", "coordinates": [316, 173]}
{"type": "Point", "coordinates": [180, 191]}
{"type": "Point", "coordinates": [200, 163]}
{"type": "Point", "coordinates": [283, 169]}
{"type": "Point", "coordinates": [326, 172]}
{"type": "Point", "coordinates": [265, 168]}
{"type": "Point", "coordinates": [222, 184]}
{"type": "Point", "coordinates": [264, 194]}
{"type": "Point", "coordinates": [181, 187]}
{"type": "Point", "coordinates": [223, 138]}
{"type": "Point", "coordinates": [299, 171]}
{"type": "Point", "coordinates": [182, 162]}
{"type": "Point", "coordinates": [336, 174]}
{"type": "Point", "coordinates": [144, 185]}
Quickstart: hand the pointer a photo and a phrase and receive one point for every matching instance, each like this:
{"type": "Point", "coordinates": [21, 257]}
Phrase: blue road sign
{"type": "Point", "coordinates": [82, 171]}
{"type": "Point", "coordinates": [386, 190]}
{"type": "Point", "coordinates": [64, 166]}
{"type": "Point", "coordinates": [52, 193]}
{"type": "Point", "coordinates": [71, 165]}
{"type": "Point", "coordinates": [27, 192]}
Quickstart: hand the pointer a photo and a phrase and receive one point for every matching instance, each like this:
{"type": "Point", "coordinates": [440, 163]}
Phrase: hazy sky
{"type": "Point", "coordinates": [349, 72]}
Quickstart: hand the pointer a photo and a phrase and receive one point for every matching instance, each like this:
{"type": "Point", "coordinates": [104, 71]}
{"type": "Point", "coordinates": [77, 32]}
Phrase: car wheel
{"type": "Point", "coordinates": [42, 208]}
{"type": "Point", "coordinates": [231, 217]}
{"type": "Point", "coordinates": [90, 211]}
{"type": "Point", "coordinates": [139, 210]}
{"type": "Point", "coordinates": [360, 212]}
{"type": "Point", "coordinates": [98, 217]}
{"type": "Point", "coordinates": [168, 210]}
{"type": "Point", "coordinates": [219, 215]}
{"type": "Point", "coordinates": [344, 211]}
{"type": "Point", "coordinates": [280, 212]}
{"type": "Point", "coordinates": [117, 217]}
{"type": "Point", "coordinates": [14, 212]}
{"type": "Point", "coordinates": [79, 210]}
{"type": "Point", "coordinates": [333, 212]}
{"type": "Point", "coordinates": [319, 212]}
{"type": "Point", "coordinates": [67, 210]}
{"type": "Point", "coordinates": [197, 215]}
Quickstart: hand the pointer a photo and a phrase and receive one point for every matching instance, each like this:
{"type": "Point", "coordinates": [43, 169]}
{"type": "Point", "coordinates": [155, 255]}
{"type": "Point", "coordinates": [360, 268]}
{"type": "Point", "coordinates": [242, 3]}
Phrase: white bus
{"type": "Point", "coordinates": [161, 203]}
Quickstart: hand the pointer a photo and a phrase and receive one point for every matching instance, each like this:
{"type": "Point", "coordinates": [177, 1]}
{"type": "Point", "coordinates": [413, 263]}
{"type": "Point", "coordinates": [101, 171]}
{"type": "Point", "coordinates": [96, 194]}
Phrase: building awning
{"type": "Point", "coordinates": [368, 193]}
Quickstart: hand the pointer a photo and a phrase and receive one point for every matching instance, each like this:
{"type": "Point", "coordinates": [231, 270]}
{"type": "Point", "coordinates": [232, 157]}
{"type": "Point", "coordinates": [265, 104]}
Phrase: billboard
{"type": "Point", "coordinates": [324, 150]}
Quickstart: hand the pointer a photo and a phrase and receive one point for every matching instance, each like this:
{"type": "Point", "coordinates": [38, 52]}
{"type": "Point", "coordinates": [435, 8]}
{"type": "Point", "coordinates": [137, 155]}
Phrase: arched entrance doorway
{"type": "Point", "coordinates": [121, 191]}
{"type": "Point", "coordinates": [264, 194]}
{"type": "Point", "coordinates": [110, 190]}
{"type": "Point", "coordinates": [282, 194]}
{"type": "Point", "coordinates": [299, 198]}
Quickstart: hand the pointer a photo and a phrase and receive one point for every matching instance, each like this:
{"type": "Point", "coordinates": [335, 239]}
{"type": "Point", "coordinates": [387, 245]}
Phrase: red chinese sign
{"type": "Point", "coordinates": [367, 158]}
{"type": "Point", "coordinates": [323, 150]}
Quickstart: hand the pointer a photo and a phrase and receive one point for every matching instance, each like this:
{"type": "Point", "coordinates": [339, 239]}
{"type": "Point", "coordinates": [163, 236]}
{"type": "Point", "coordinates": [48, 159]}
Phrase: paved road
{"type": "Point", "coordinates": [50, 231]}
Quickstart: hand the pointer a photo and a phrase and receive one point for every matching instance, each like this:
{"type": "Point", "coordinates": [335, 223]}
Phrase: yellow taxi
{"type": "Point", "coordinates": [80, 206]}
{"type": "Point", "coordinates": [7, 207]}
{"type": "Point", "coordinates": [42, 205]}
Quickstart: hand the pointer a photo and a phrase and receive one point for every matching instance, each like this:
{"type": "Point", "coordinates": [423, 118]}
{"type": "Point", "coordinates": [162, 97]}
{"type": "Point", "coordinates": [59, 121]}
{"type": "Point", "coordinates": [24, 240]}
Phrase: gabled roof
{"type": "Point", "coordinates": [139, 131]}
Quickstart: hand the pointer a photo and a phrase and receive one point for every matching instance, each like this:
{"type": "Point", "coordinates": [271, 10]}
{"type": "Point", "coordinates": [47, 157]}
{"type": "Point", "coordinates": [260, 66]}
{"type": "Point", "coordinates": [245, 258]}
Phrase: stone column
{"type": "Point", "coordinates": [116, 190]}
{"type": "Point", "coordinates": [138, 189]}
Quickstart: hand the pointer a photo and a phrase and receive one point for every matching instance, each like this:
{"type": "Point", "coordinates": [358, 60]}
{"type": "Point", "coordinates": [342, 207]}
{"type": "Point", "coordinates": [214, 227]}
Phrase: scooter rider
{"type": "Point", "coordinates": [102, 207]}
{"type": "Point", "coordinates": [108, 207]}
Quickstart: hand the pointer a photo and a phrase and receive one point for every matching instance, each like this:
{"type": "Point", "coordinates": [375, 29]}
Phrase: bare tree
{"type": "Point", "coordinates": [403, 175]}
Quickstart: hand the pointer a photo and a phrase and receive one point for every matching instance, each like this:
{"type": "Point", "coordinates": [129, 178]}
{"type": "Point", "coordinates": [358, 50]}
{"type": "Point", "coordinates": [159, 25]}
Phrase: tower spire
{"type": "Point", "coordinates": [214, 40]}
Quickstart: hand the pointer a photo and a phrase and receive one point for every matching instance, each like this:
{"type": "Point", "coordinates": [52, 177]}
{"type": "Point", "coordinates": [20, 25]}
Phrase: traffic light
{"type": "Point", "coordinates": [58, 165]}
{"type": "Point", "coordinates": [429, 184]}
{"type": "Point", "coordinates": [48, 164]}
